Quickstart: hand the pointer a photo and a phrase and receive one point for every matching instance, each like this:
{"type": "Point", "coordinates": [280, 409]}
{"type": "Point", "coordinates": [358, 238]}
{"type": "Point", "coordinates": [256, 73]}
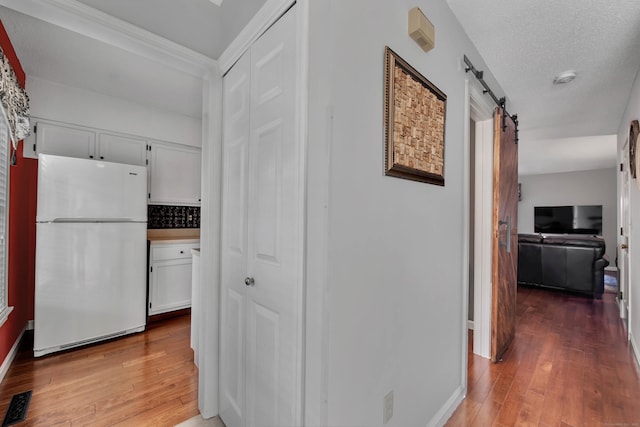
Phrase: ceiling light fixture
{"type": "Point", "coordinates": [564, 77]}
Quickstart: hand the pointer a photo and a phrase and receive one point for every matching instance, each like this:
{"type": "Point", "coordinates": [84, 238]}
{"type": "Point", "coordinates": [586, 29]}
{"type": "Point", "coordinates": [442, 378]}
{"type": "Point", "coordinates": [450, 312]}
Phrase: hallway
{"type": "Point", "coordinates": [570, 365]}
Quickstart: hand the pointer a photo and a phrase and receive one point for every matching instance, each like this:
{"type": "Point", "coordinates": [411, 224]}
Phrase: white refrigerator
{"type": "Point", "coordinates": [91, 252]}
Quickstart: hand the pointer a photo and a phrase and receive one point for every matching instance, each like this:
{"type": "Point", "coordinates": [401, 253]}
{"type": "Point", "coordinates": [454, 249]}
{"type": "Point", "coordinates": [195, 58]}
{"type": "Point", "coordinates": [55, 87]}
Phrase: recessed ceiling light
{"type": "Point", "coordinates": [564, 77]}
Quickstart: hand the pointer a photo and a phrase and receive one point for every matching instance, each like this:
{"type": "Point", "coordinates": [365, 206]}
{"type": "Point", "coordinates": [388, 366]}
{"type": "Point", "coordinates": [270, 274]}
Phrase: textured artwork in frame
{"type": "Point", "coordinates": [414, 111]}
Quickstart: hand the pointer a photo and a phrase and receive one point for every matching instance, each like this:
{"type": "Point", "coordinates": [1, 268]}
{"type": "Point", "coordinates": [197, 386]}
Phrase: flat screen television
{"type": "Point", "coordinates": [582, 219]}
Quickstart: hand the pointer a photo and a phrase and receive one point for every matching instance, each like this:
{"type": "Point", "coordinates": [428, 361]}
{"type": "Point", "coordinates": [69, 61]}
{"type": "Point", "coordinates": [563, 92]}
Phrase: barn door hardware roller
{"type": "Point", "coordinates": [501, 102]}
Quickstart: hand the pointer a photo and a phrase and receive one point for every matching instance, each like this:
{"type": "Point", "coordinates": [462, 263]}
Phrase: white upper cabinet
{"type": "Point", "coordinates": [87, 143]}
{"type": "Point", "coordinates": [175, 174]}
{"type": "Point", "coordinates": [120, 149]}
{"type": "Point", "coordinates": [65, 141]}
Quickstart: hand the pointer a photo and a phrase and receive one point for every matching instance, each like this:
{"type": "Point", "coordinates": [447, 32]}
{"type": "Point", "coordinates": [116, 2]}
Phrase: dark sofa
{"type": "Point", "coordinates": [573, 263]}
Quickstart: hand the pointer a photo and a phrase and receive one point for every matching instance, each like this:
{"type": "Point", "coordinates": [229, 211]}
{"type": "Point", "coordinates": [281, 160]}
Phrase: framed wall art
{"type": "Point", "coordinates": [414, 119]}
{"type": "Point", "coordinates": [634, 132]}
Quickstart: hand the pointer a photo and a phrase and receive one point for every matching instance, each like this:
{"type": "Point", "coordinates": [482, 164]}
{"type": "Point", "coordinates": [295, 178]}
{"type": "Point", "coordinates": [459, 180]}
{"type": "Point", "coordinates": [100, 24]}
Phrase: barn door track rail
{"type": "Point", "coordinates": [501, 102]}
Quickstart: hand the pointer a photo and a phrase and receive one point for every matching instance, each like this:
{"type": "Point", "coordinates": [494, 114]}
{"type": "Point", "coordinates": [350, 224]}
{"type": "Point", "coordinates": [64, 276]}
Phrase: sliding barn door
{"type": "Point", "coordinates": [505, 234]}
{"type": "Point", "coordinates": [261, 289]}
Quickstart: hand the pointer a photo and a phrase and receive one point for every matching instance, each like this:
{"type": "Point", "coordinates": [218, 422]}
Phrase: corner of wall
{"type": "Point", "coordinates": [441, 417]}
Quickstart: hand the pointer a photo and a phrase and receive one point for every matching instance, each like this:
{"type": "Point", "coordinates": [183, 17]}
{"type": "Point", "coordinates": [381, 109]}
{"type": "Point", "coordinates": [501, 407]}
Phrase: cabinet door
{"type": "Point", "coordinates": [65, 141]}
{"type": "Point", "coordinates": [170, 285]}
{"type": "Point", "coordinates": [119, 149]}
{"type": "Point", "coordinates": [29, 146]}
{"type": "Point", "coordinates": [175, 175]}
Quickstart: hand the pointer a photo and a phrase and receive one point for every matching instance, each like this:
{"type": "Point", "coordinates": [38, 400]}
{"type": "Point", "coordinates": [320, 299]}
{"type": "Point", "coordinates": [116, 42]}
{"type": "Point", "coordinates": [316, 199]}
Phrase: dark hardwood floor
{"type": "Point", "coordinates": [146, 379]}
{"type": "Point", "coordinates": [570, 365]}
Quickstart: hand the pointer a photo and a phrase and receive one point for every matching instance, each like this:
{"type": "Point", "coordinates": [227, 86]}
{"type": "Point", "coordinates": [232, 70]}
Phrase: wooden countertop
{"type": "Point", "coordinates": [178, 235]}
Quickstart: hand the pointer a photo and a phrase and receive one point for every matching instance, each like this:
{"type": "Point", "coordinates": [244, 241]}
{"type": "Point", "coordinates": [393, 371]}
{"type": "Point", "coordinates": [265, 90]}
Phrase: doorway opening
{"type": "Point", "coordinates": [480, 211]}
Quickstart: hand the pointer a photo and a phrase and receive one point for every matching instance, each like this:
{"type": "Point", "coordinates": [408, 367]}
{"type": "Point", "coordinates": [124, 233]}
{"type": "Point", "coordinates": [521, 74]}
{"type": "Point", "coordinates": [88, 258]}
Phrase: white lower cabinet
{"type": "Point", "coordinates": [170, 276]}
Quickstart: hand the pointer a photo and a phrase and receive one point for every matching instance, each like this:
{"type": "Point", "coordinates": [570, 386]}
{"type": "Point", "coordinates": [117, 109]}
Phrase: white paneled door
{"type": "Point", "coordinates": [261, 236]}
{"type": "Point", "coordinates": [234, 242]}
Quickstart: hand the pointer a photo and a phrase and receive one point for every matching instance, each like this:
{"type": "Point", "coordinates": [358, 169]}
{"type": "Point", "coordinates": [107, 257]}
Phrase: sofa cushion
{"type": "Point", "coordinates": [578, 241]}
{"type": "Point", "coordinates": [588, 241]}
{"type": "Point", "coordinates": [554, 265]}
{"type": "Point", "coordinates": [529, 238]}
{"type": "Point", "coordinates": [579, 276]}
{"type": "Point", "coordinates": [529, 262]}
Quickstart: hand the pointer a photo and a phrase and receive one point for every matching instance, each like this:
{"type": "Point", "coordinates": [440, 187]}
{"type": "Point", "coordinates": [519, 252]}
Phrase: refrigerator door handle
{"type": "Point", "coordinates": [94, 220]}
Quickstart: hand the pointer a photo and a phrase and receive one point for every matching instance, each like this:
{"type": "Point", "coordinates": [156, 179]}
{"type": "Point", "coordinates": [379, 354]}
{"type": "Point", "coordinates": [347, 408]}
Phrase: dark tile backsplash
{"type": "Point", "coordinates": [160, 216]}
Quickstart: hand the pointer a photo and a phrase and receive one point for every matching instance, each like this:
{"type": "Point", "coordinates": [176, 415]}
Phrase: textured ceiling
{"type": "Point", "coordinates": [526, 43]}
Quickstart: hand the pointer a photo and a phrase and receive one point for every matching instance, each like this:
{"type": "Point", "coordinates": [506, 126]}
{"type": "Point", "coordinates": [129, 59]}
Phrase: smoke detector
{"type": "Point", "coordinates": [564, 77]}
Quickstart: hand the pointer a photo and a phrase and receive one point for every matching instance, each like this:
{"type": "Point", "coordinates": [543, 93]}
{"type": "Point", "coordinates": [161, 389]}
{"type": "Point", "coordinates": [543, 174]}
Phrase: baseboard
{"type": "Point", "coordinates": [636, 352]}
{"type": "Point", "coordinates": [11, 355]}
{"type": "Point", "coordinates": [470, 324]}
{"type": "Point", "coordinates": [445, 412]}
{"type": "Point", "coordinates": [30, 325]}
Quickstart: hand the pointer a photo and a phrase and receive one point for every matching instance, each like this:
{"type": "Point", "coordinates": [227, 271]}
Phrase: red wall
{"type": "Point", "coordinates": [22, 230]}
{"type": "Point", "coordinates": [10, 53]}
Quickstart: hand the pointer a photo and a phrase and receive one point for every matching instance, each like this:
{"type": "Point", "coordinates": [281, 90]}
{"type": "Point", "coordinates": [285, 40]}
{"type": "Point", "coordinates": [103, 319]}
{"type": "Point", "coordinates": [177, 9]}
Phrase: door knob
{"type": "Point", "coordinates": [249, 281]}
{"type": "Point", "coordinates": [624, 246]}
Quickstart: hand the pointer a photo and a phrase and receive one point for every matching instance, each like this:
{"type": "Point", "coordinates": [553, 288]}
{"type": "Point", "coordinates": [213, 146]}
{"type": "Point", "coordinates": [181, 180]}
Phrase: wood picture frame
{"type": "Point", "coordinates": [634, 133]}
{"type": "Point", "coordinates": [414, 120]}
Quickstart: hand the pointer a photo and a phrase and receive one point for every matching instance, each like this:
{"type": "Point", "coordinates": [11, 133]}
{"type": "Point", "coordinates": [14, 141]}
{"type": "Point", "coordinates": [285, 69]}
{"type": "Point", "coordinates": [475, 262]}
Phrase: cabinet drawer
{"type": "Point", "coordinates": [160, 253]}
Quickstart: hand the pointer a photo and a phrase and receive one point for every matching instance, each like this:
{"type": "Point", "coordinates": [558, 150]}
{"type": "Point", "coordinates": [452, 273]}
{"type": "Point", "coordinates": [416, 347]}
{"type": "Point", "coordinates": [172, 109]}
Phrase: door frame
{"type": "Point", "coordinates": [210, 229]}
{"type": "Point", "coordinates": [478, 108]}
{"type": "Point", "coordinates": [624, 184]}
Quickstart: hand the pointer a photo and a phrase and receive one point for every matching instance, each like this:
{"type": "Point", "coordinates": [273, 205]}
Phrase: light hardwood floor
{"type": "Point", "coordinates": [146, 379]}
{"type": "Point", "coordinates": [570, 365]}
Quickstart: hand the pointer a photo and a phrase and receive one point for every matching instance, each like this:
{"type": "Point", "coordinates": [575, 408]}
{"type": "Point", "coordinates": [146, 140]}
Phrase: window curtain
{"type": "Point", "coordinates": [14, 100]}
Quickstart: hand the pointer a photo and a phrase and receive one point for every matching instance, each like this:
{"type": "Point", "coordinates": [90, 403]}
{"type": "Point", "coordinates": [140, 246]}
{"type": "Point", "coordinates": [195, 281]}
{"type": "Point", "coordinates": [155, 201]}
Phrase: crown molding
{"type": "Point", "coordinates": [266, 16]}
{"type": "Point", "coordinates": [87, 21]}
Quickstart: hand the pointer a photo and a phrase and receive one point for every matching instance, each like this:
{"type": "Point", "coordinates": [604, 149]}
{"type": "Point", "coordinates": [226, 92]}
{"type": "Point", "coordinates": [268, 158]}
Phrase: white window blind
{"type": "Point", "coordinates": [4, 214]}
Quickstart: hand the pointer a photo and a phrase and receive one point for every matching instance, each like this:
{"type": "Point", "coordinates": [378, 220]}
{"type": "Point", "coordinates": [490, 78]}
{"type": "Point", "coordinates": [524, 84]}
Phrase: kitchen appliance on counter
{"type": "Point", "coordinates": [91, 248]}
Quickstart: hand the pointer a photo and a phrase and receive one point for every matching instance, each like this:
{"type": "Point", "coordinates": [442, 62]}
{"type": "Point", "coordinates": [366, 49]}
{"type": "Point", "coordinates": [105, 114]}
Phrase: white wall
{"type": "Point", "coordinates": [633, 113]}
{"type": "Point", "coordinates": [386, 286]}
{"type": "Point", "coordinates": [54, 101]}
{"type": "Point", "coordinates": [592, 187]}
